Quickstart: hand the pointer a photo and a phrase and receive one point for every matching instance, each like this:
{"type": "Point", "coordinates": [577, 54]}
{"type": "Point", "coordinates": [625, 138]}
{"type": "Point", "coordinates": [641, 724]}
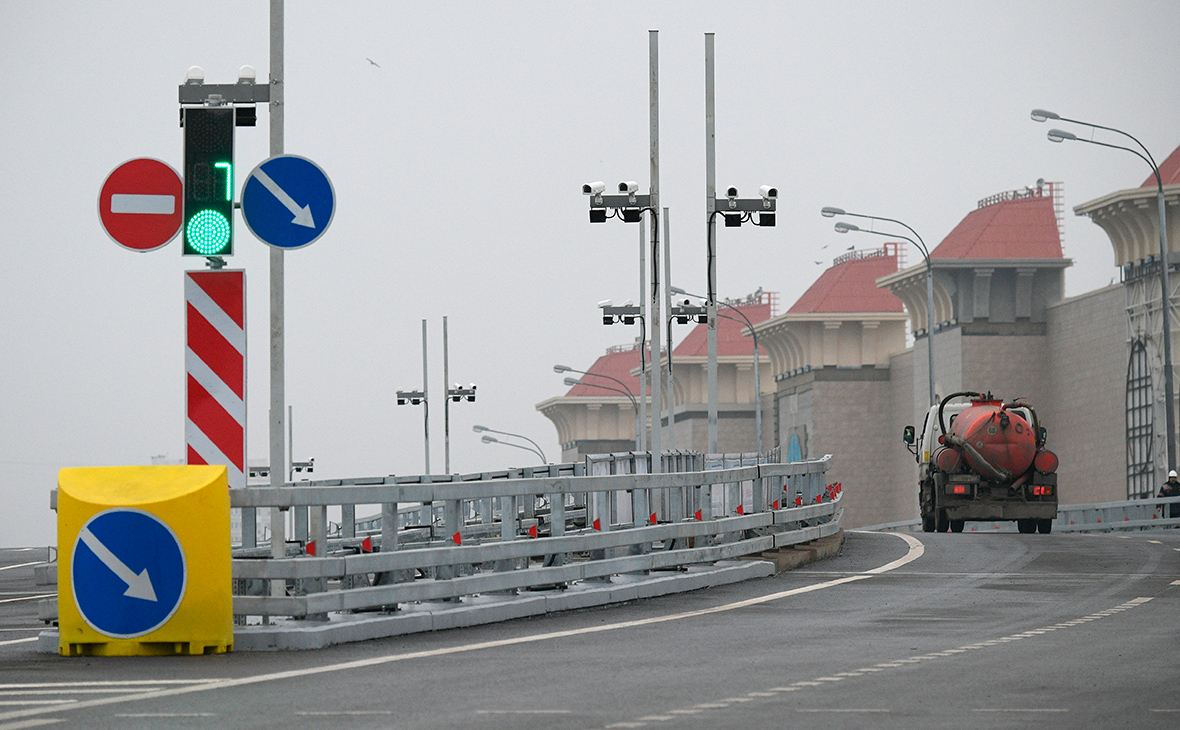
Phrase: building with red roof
{"type": "Point", "coordinates": [599, 415]}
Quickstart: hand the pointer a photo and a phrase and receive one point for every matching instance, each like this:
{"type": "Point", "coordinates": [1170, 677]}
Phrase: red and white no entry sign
{"type": "Point", "coordinates": [141, 204]}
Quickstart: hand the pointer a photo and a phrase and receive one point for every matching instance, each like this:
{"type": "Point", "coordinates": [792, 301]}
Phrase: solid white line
{"type": "Point", "coordinates": [149, 204]}
{"type": "Point", "coordinates": [801, 709]}
{"type": "Point", "coordinates": [28, 598]}
{"type": "Point", "coordinates": [134, 683]}
{"type": "Point", "coordinates": [74, 690]}
{"type": "Point", "coordinates": [18, 641]}
{"type": "Point", "coordinates": [22, 565]}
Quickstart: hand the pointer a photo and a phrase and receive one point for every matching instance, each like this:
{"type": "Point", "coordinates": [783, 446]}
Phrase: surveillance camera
{"type": "Point", "coordinates": [628, 186]}
{"type": "Point", "coordinates": [629, 303]}
{"type": "Point", "coordinates": [768, 192]}
{"type": "Point", "coordinates": [605, 303]}
{"type": "Point", "coordinates": [731, 193]}
{"type": "Point", "coordinates": [594, 188]}
{"type": "Point", "coordinates": [195, 75]}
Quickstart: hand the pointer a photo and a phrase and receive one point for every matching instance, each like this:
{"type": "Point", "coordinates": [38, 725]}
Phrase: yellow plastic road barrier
{"type": "Point", "coordinates": [144, 561]}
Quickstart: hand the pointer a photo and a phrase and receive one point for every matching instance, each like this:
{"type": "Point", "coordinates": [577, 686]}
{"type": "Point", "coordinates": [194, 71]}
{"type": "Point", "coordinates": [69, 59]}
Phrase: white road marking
{"type": "Point", "coordinates": [840, 709]}
{"type": "Point", "coordinates": [32, 723]}
{"type": "Point", "coordinates": [18, 641]}
{"type": "Point", "coordinates": [135, 684]}
{"type": "Point", "coordinates": [72, 690]}
{"type": "Point", "coordinates": [28, 598]}
{"type": "Point", "coordinates": [21, 565]}
{"type": "Point", "coordinates": [166, 714]}
{"type": "Point", "coordinates": [333, 713]}
{"type": "Point", "coordinates": [509, 712]}
{"type": "Point", "coordinates": [1020, 709]}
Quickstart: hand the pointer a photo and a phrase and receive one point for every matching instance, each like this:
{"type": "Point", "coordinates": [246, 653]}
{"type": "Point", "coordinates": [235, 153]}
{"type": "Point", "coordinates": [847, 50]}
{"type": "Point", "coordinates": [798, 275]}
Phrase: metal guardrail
{"type": "Point", "coordinates": [527, 532]}
{"type": "Point", "coordinates": [1135, 514]}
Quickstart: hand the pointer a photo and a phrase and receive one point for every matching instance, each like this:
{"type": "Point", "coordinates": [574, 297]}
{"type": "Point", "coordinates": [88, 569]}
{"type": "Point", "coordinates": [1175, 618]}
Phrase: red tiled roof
{"type": "Point", "coordinates": [1169, 171]}
{"type": "Point", "coordinates": [616, 363]}
{"type": "Point", "coordinates": [851, 286]}
{"type": "Point", "coordinates": [729, 333]}
{"type": "Point", "coordinates": [1022, 228]}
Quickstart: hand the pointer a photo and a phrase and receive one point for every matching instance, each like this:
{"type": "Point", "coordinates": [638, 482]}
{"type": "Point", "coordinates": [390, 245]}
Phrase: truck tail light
{"type": "Point", "coordinates": [961, 489]}
{"type": "Point", "coordinates": [1042, 491]}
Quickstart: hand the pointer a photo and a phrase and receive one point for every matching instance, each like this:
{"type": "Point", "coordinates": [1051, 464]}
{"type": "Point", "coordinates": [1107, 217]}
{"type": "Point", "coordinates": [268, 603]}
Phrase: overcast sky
{"type": "Point", "coordinates": [457, 157]}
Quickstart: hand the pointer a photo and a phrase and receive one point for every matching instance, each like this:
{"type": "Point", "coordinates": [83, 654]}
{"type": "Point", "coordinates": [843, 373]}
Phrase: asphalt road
{"type": "Point", "coordinates": [970, 630]}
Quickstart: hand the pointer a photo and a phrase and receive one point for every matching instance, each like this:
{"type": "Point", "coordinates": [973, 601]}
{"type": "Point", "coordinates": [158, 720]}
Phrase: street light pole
{"type": "Point", "coordinates": [757, 356]}
{"type": "Point", "coordinates": [1057, 135]}
{"type": "Point", "coordinates": [710, 239]}
{"type": "Point", "coordinates": [842, 227]}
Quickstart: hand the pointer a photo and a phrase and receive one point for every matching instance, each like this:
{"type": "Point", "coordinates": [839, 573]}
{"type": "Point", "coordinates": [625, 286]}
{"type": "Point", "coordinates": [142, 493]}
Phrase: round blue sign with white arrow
{"type": "Point", "coordinates": [288, 201]}
{"type": "Point", "coordinates": [128, 572]}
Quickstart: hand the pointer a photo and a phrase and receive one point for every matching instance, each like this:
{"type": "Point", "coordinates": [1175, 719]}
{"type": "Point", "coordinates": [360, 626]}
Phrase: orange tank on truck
{"type": "Point", "coordinates": [981, 459]}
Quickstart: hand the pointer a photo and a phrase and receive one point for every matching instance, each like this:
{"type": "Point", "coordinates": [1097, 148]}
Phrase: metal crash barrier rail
{"type": "Point", "coordinates": [1135, 514]}
{"type": "Point", "coordinates": [509, 531]}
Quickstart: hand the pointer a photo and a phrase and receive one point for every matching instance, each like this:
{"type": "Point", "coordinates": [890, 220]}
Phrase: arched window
{"type": "Point", "coordinates": [1140, 470]}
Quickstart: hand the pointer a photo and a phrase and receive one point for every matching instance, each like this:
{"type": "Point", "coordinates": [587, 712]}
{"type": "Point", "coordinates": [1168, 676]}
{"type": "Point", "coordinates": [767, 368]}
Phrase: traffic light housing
{"type": "Point", "coordinates": [208, 181]}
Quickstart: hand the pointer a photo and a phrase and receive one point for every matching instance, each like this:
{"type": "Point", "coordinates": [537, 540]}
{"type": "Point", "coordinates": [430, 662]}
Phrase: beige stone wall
{"type": "Point", "coordinates": [1085, 410]}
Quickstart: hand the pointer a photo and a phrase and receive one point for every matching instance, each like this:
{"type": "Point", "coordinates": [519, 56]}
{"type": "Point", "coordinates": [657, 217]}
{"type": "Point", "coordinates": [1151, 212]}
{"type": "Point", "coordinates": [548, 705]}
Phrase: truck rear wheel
{"type": "Point", "coordinates": [927, 523]}
{"type": "Point", "coordinates": [1044, 526]}
{"type": "Point", "coordinates": [943, 522]}
{"type": "Point", "coordinates": [1026, 526]}
{"type": "Point", "coordinates": [957, 525]}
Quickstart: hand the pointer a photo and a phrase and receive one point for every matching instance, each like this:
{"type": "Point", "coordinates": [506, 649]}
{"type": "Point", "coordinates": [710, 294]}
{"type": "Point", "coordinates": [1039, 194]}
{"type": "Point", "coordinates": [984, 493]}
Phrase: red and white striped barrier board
{"type": "Point", "coordinates": [215, 363]}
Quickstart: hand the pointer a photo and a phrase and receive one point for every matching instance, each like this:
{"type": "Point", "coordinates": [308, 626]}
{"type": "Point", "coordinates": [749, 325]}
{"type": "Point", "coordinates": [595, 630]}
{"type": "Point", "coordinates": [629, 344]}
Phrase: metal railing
{"type": "Point", "coordinates": [1136, 514]}
{"type": "Point", "coordinates": [512, 531]}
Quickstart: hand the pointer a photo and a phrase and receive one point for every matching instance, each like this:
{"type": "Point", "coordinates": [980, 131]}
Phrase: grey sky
{"type": "Point", "coordinates": [457, 165]}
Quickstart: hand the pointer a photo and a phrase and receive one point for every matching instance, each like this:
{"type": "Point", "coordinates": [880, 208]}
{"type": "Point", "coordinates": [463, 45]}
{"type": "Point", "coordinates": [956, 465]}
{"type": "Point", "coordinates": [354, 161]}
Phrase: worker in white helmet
{"type": "Point", "coordinates": [1171, 488]}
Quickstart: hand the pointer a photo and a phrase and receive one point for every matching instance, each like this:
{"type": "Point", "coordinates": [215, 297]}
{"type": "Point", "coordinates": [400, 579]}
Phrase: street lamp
{"type": "Point", "coordinates": [493, 440]}
{"type": "Point", "coordinates": [489, 440]}
{"type": "Point", "coordinates": [686, 311]}
{"type": "Point", "coordinates": [842, 227]}
{"type": "Point", "coordinates": [1059, 135]}
{"type": "Point", "coordinates": [639, 432]}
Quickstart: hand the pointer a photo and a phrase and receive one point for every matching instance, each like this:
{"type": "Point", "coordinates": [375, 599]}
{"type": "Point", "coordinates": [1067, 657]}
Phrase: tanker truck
{"type": "Point", "coordinates": [980, 459]}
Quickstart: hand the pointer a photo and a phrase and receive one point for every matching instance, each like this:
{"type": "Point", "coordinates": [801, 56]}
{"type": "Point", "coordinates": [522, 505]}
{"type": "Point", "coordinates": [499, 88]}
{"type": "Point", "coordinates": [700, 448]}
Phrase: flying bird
{"type": "Point", "coordinates": [823, 247]}
{"type": "Point", "coordinates": [819, 263]}
{"type": "Point", "coordinates": [850, 248]}
{"type": "Point", "coordinates": [372, 62]}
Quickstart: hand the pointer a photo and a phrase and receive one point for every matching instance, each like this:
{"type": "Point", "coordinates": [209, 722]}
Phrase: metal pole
{"type": "Point", "coordinates": [643, 373]}
{"type": "Point", "coordinates": [757, 390]}
{"type": "Point", "coordinates": [278, 539]}
{"type": "Point", "coordinates": [446, 404]}
{"type": "Point", "coordinates": [710, 238]}
{"type": "Point", "coordinates": [657, 407]}
{"type": "Point", "coordinates": [425, 400]}
{"type": "Point", "coordinates": [1166, 301]}
{"type": "Point", "coordinates": [668, 304]}
{"type": "Point", "coordinates": [930, 327]}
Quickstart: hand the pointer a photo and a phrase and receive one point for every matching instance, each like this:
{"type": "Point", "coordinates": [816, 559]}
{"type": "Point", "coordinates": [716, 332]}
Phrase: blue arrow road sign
{"type": "Point", "coordinates": [288, 202]}
{"type": "Point", "coordinates": [128, 572]}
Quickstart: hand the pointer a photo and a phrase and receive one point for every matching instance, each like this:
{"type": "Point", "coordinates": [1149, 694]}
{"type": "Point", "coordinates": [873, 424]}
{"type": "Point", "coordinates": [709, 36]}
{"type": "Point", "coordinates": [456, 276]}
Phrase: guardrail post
{"type": "Point", "coordinates": [508, 530]}
{"type": "Point", "coordinates": [317, 533]}
{"type": "Point", "coordinates": [556, 525]}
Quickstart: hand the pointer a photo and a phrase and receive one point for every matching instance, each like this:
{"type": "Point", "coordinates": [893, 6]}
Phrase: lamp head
{"type": "Point", "coordinates": [562, 368]}
{"type": "Point", "coordinates": [843, 227]}
{"type": "Point", "coordinates": [1059, 135]}
{"type": "Point", "coordinates": [829, 212]}
{"type": "Point", "coordinates": [489, 439]}
{"type": "Point", "coordinates": [572, 381]}
{"type": "Point", "coordinates": [1040, 115]}
{"type": "Point", "coordinates": [479, 429]}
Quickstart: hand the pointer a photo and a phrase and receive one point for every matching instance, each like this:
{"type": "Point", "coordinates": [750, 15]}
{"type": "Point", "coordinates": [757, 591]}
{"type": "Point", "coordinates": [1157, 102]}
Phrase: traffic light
{"type": "Point", "coordinates": [208, 181]}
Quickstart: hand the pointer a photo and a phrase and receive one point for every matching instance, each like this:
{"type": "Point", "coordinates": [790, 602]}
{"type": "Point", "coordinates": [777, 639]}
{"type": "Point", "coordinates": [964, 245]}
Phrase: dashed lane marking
{"type": "Point", "coordinates": [905, 662]}
{"type": "Point", "coordinates": [18, 641]}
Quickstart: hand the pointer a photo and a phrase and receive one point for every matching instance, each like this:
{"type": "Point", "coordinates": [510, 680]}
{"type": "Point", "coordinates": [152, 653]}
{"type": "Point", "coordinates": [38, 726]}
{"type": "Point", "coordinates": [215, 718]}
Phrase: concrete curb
{"type": "Point", "coordinates": [287, 634]}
